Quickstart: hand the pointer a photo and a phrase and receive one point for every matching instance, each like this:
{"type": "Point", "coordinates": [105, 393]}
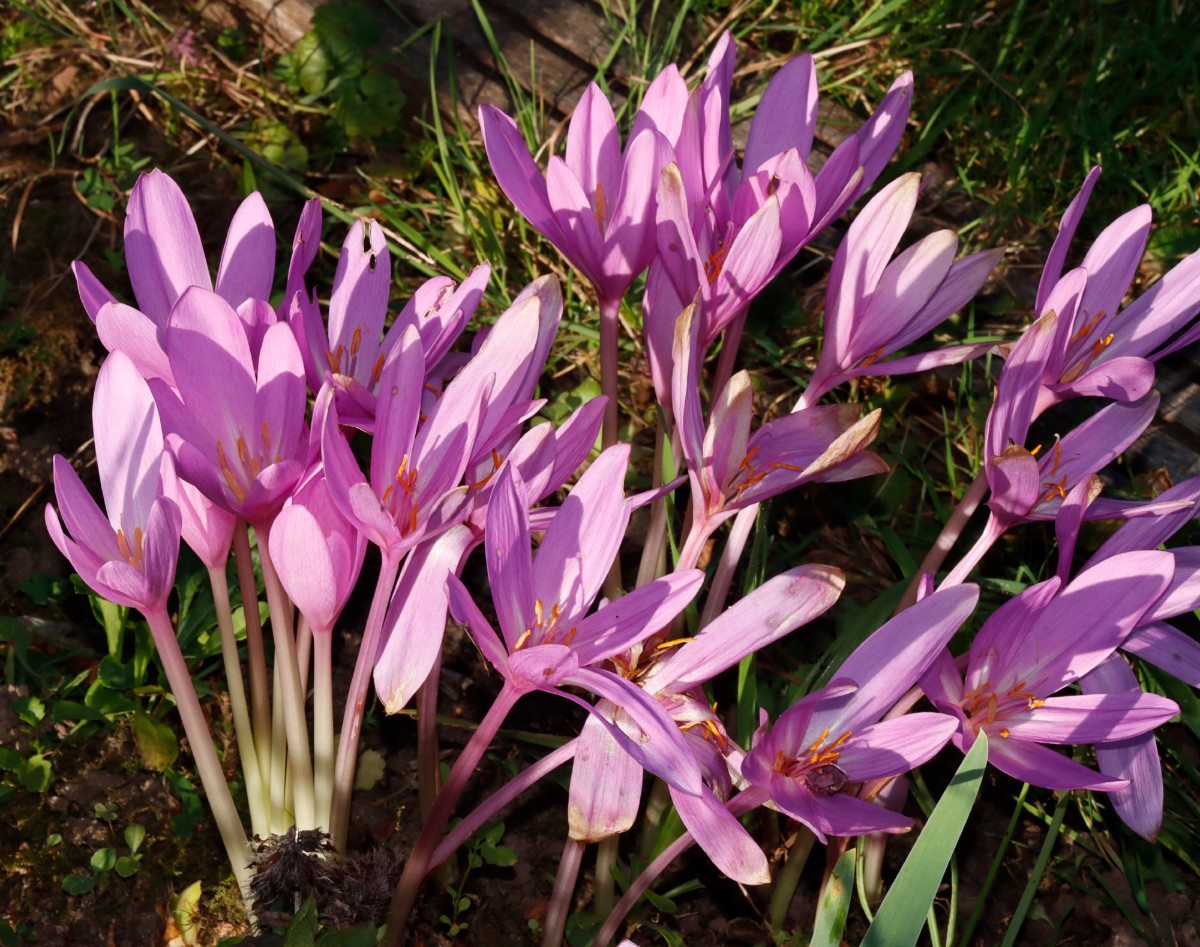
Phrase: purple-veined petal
{"type": "Point", "coordinates": [652, 738]}
{"type": "Point", "coordinates": [397, 412]}
{"type": "Point", "coordinates": [774, 609]}
{"type": "Point", "coordinates": [162, 246]}
{"type": "Point", "coordinates": [92, 293]}
{"type": "Point", "coordinates": [1052, 271]}
{"type": "Point", "coordinates": [579, 547]}
{"type": "Point", "coordinates": [85, 521]}
{"type": "Point", "coordinates": [1168, 648]}
{"type": "Point", "coordinates": [594, 148]}
{"type": "Point", "coordinates": [606, 785]}
{"type": "Point", "coordinates": [630, 233]}
{"type": "Point", "coordinates": [124, 329]}
{"type": "Point", "coordinates": [416, 618]}
{"type": "Point", "coordinates": [786, 115]}
{"type": "Point", "coordinates": [732, 849]}
{"type": "Point", "coordinates": [1111, 262]}
{"type": "Point", "coordinates": [509, 559]}
{"type": "Point", "coordinates": [1091, 718]}
{"type": "Point", "coordinates": [1040, 766]}
{"type": "Point", "coordinates": [1140, 804]}
{"type": "Point", "coordinates": [890, 661]}
{"type": "Point", "coordinates": [1016, 396]}
{"type": "Point", "coordinates": [516, 172]}
{"type": "Point", "coordinates": [581, 242]}
{"type": "Point", "coordinates": [894, 746]}
{"type": "Point", "coordinates": [358, 303]}
{"type": "Point", "coordinates": [129, 443]}
{"type": "Point", "coordinates": [467, 614]}
{"type": "Point", "coordinates": [619, 625]}
{"type": "Point", "coordinates": [248, 257]}
{"type": "Point", "coordinates": [1183, 593]}
{"type": "Point", "coordinates": [543, 666]}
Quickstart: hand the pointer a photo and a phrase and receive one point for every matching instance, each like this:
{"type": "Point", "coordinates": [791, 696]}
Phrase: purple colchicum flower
{"type": "Point", "coordinates": [1101, 349]}
{"type": "Point", "coordinates": [730, 468]}
{"type": "Point", "coordinates": [835, 737]}
{"type": "Point", "coordinates": [550, 640]}
{"type": "Point", "coordinates": [876, 305]}
{"type": "Point", "coordinates": [1035, 645]}
{"type": "Point", "coordinates": [606, 782]}
{"type": "Point", "coordinates": [596, 205]}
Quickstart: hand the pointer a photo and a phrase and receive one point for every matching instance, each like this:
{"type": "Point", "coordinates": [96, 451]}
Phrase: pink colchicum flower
{"type": "Point", "coordinates": [606, 782]}
{"type": "Point", "coordinates": [723, 231]}
{"type": "Point", "coordinates": [235, 427]}
{"type": "Point", "coordinates": [352, 350]}
{"type": "Point", "coordinates": [730, 468]}
{"type": "Point", "coordinates": [129, 554]}
{"type": "Point", "coordinates": [165, 257]}
{"type": "Point", "coordinates": [876, 305]}
{"type": "Point", "coordinates": [835, 737]}
{"type": "Point", "coordinates": [550, 641]}
{"type": "Point", "coordinates": [1038, 643]}
{"type": "Point", "coordinates": [316, 551]}
{"type": "Point", "coordinates": [596, 205]}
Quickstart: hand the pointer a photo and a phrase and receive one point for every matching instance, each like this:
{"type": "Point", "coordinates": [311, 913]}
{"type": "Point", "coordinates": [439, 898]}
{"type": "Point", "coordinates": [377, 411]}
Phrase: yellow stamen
{"type": "Point", "coordinates": [601, 210]}
{"type": "Point", "coordinates": [524, 637]}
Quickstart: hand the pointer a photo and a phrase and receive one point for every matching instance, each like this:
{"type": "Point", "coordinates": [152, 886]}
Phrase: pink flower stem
{"type": "Point", "coordinates": [258, 802]}
{"type": "Point", "coordinates": [487, 809]}
{"type": "Point", "coordinates": [421, 860]}
{"type": "Point", "coordinates": [693, 545]}
{"type": "Point", "coordinates": [564, 888]}
{"type": "Point", "coordinates": [738, 806]}
{"type": "Point", "coordinates": [260, 692]}
{"type": "Point", "coordinates": [610, 310]}
{"type": "Point", "coordinates": [356, 699]}
{"type": "Point", "coordinates": [735, 545]}
{"type": "Point", "coordinates": [991, 532]}
{"type": "Point", "coordinates": [304, 645]}
{"type": "Point", "coordinates": [729, 352]}
{"type": "Point", "coordinates": [195, 726]}
{"type": "Point", "coordinates": [299, 757]}
{"type": "Point", "coordinates": [429, 777]}
{"type": "Point", "coordinates": [948, 536]}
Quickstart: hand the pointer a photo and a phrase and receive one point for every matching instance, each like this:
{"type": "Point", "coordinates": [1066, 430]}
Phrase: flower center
{"type": "Point", "coordinates": [132, 554]}
{"type": "Point", "coordinates": [1080, 354]}
{"type": "Point", "coordinates": [817, 766]}
{"type": "Point", "coordinates": [350, 354]}
{"type": "Point", "coordinates": [984, 706]}
{"type": "Point", "coordinates": [402, 503]}
{"type": "Point", "coordinates": [249, 463]}
{"type": "Point", "coordinates": [545, 628]}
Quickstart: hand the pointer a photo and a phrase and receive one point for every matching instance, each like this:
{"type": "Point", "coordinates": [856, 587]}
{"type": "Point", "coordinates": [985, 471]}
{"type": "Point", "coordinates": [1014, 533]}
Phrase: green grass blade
{"type": "Point", "coordinates": [835, 904]}
{"type": "Point", "coordinates": [901, 917]}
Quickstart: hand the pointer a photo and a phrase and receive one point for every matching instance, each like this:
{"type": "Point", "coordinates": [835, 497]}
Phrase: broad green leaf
{"type": "Point", "coordinates": [35, 773]}
{"type": "Point", "coordinates": [134, 836]}
{"type": "Point", "coordinates": [185, 907]}
{"type": "Point", "coordinates": [156, 742]}
{"type": "Point", "coordinates": [371, 769]}
{"type": "Point", "coordinates": [835, 904]}
{"type": "Point", "coordinates": [78, 884]}
{"type": "Point", "coordinates": [104, 859]}
{"type": "Point", "coordinates": [127, 866]}
{"type": "Point", "coordinates": [901, 917]}
{"type": "Point", "coordinates": [302, 929]}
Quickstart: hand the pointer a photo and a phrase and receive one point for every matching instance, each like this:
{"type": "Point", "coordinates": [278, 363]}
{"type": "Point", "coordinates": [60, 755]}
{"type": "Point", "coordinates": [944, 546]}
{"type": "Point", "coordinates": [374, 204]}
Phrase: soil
{"type": "Point", "coordinates": [50, 359]}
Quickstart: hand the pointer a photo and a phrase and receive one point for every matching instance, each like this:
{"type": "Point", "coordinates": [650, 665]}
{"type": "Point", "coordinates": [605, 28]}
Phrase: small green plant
{"type": "Point", "coordinates": [105, 861]}
{"type": "Point", "coordinates": [484, 849]}
{"type": "Point", "coordinates": [332, 64]}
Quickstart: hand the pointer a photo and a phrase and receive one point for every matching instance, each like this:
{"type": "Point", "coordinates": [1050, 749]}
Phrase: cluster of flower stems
{"type": "Point", "coordinates": [220, 417]}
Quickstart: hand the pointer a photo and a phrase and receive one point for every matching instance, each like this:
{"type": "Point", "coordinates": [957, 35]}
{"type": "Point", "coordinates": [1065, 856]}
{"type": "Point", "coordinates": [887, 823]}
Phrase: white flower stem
{"type": "Point", "coordinates": [251, 772]}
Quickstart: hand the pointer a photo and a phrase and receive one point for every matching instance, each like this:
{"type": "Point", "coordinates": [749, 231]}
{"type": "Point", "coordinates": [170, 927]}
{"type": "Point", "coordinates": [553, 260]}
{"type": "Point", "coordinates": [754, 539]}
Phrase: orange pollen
{"type": "Point", "coordinates": [230, 479]}
{"type": "Point", "coordinates": [433, 389]}
{"type": "Point", "coordinates": [671, 644]}
{"type": "Point", "coordinates": [1086, 327]}
{"type": "Point", "coordinates": [524, 637]}
{"type": "Point", "coordinates": [570, 635]}
{"type": "Point", "coordinates": [712, 269]}
{"type": "Point", "coordinates": [376, 372]}
{"type": "Point", "coordinates": [780, 465]}
{"type": "Point", "coordinates": [497, 459]}
{"type": "Point", "coordinates": [873, 356]}
{"type": "Point", "coordinates": [1058, 489]}
{"type": "Point", "coordinates": [1004, 732]}
{"type": "Point", "coordinates": [601, 210]}
{"type": "Point", "coordinates": [132, 556]}
{"type": "Point", "coordinates": [1057, 456]}
{"type": "Point", "coordinates": [537, 611]}
{"type": "Point", "coordinates": [1035, 451]}
{"type": "Point", "coordinates": [266, 439]}
{"type": "Point", "coordinates": [356, 341]}
{"type": "Point", "coordinates": [334, 359]}
{"type": "Point", "coordinates": [243, 451]}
